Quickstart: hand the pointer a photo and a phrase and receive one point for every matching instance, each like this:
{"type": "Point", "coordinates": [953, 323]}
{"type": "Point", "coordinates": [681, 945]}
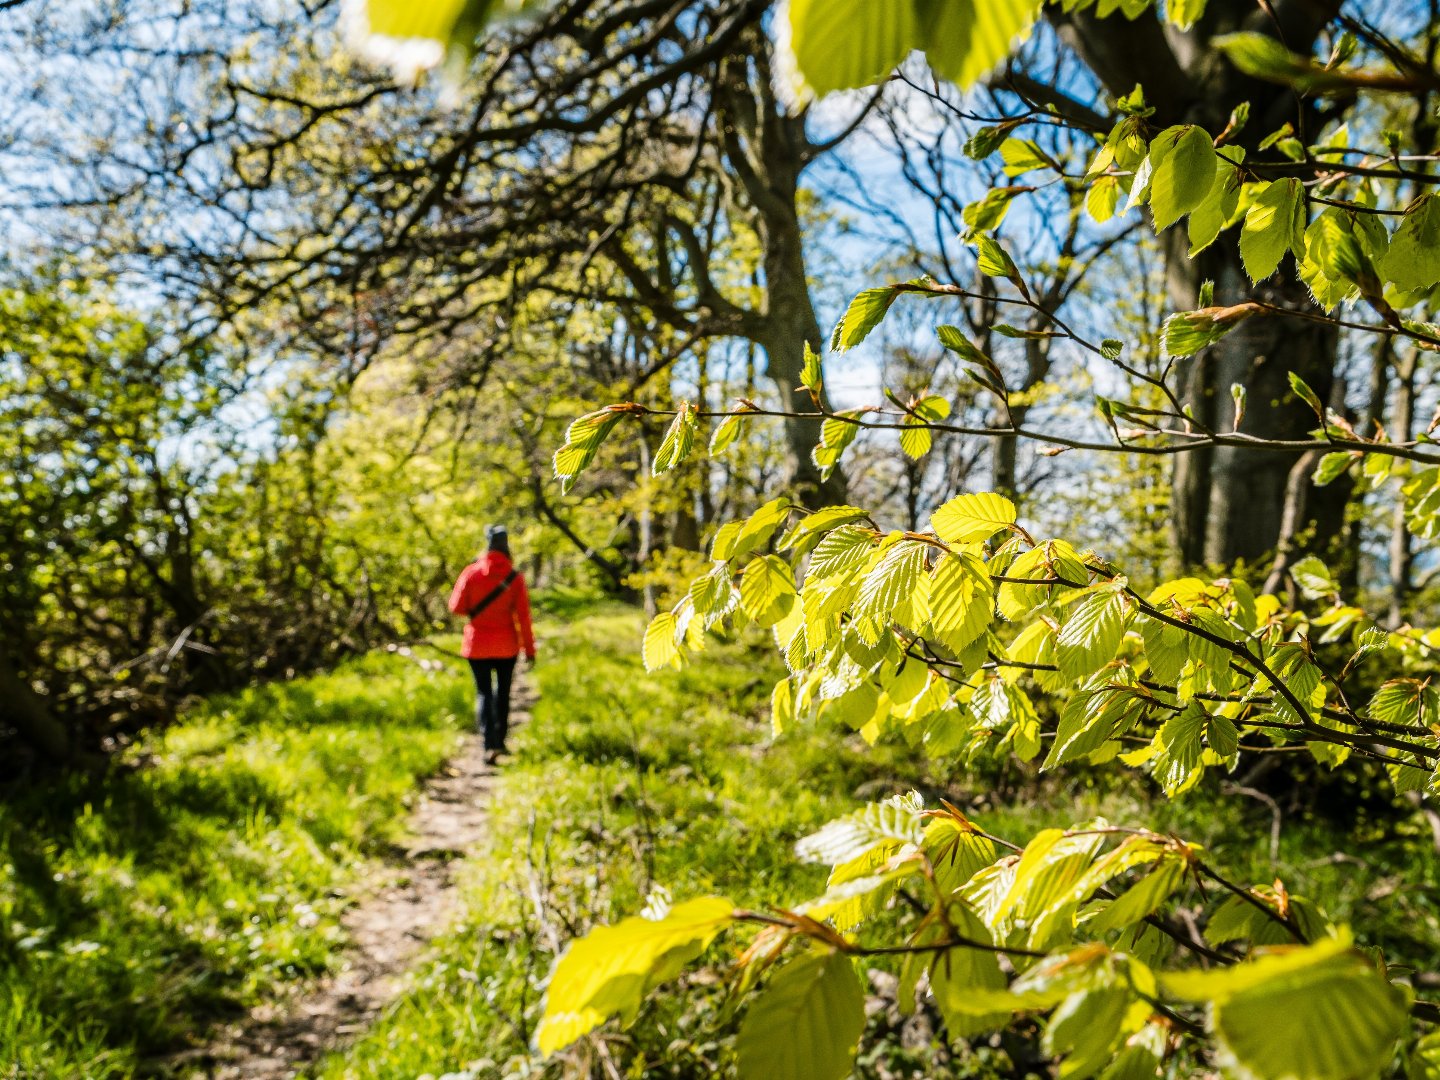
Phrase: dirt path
{"type": "Point", "coordinates": [411, 902]}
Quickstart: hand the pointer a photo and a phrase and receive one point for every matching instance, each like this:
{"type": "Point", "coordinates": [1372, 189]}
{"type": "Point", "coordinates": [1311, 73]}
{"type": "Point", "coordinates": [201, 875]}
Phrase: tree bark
{"type": "Point", "coordinates": [1228, 503]}
{"type": "Point", "coordinates": [767, 149]}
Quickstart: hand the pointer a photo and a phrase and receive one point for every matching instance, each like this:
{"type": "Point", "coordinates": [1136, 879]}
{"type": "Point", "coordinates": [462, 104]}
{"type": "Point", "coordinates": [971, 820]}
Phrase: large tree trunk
{"type": "Point", "coordinates": [767, 148]}
{"type": "Point", "coordinates": [1228, 503]}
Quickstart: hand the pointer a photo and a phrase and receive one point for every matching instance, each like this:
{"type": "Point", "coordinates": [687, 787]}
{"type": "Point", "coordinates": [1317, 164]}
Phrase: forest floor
{"type": "Point", "coordinates": [321, 877]}
{"type": "Point", "coordinates": [413, 898]}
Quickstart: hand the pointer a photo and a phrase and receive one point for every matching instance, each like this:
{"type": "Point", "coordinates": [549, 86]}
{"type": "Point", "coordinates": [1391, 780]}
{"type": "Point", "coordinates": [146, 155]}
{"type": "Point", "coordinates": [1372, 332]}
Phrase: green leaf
{"type": "Point", "coordinates": [891, 823]}
{"type": "Point", "coordinates": [1166, 649]}
{"type": "Point", "coordinates": [1022, 156]}
{"type": "Point", "coordinates": [1413, 261]}
{"type": "Point", "coordinates": [973, 518]}
{"type": "Point", "coordinates": [962, 600]}
{"type": "Point", "coordinates": [992, 260]}
{"type": "Point", "coordinates": [842, 550]}
{"type": "Point", "coordinates": [865, 313]}
{"type": "Point", "coordinates": [1184, 13]}
{"type": "Point", "coordinates": [391, 28]}
{"type": "Point", "coordinates": [608, 971]}
{"type": "Point", "coordinates": [1313, 578]}
{"type": "Point", "coordinates": [820, 522]}
{"type": "Point", "coordinates": [1102, 198]}
{"type": "Point", "coordinates": [965, 39]}
{"type": "Point", "coordinates": [726, 433]}
{"type": "Point", "coordinates": [1303, 391]}
{"type": "Point", "coordinates": [1274, 224]}
{"type": "Point", "coordinates": [1085, 1027]}
{"type": "Point", "coordinates": [1408, 702]}
{"type": "Point", "coordinates": [957, 975]}
{"type": "Point", "coordinates": [1091, 635]}
{"type": "Point", "coordinates": [1317, 1012]}
{"type": "Point", "coordinates": [678, 442]}
{"type": "Point", "coordinates": [758, 528]}
{"type": "Point", "coordinates": [839, 44]}
{"type": "Point", "coordinates": [889, 590]}
{"type": "Point", "coordinates": [782, 708]}
{"type": "Point", "coordinates": [1187, 332]}
{"type": "Point", "coordinates": [1184, 176]}
{"type": "Point", "coordinates": [582, 440]}
{"type": "Point", "coordinates": [915, 435]}
{"type": "Point", "coordinates": [659, 650]}
{"type": "Point", "coordinates": [987, 213]}
{"type": "Point", "coordinates": [1265, 58]}
{"type": "Point", "coordinates": [812, 375]}
{"type": "Point", "coordinates": [805, 1024]}
{"type": "Point", "coordinates": [767, 590]}
{"type": "Point", "coordinates": [1219, 205]}
{"type": "Point", "coordinates": [1332, 466]}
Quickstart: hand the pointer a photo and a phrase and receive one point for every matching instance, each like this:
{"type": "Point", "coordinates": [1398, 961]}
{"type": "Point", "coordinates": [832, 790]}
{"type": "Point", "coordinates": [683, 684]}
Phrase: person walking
{"type": "Point", "coordinates": [491, 594]}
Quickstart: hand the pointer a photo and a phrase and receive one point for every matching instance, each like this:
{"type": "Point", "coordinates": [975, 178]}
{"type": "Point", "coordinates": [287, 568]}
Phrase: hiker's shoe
{"type": "Point", "coordinates": [492, 757]}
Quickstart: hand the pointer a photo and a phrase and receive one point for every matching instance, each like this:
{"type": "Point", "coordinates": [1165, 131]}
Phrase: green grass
{"type": "Point", "coordinates": [623, 782]}
{"type": "Point", "coordinates": [207, 868]}
{"type": "Point", "coordinates": [626, 781]}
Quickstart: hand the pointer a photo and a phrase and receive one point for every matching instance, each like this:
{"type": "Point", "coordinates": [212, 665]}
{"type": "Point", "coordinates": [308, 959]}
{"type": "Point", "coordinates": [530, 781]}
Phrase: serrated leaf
{"type": "Point", "coordinates": [842, 550]}
{"type": "Point", "coordinates": [888, 591]}
{"type": "Point", "coordinates": [726, 433]}
{"type": "Point", "coordinates": [1184, 175]}
{"type": "Point", "coordinates": [962, 600]}
{"type": "Point", "coordinates": [865, 313]}
{"type": "Point", "coordinates": [818, 523]}
{"type": "Point", "coordinates": [895, 821]}
{"type": "Point", "coordinates": [678, 442]}
{"type": "Point", "coordinates": [1272, 223]}
{"type": "Point", "coordinates": [767, 590]}
{"type": "Point", "coordinates": [1413, 261]}
{"type": "Point", "coordinates": [1091, 635]}
{"type": "Point", "coordinates": [806, 1022]}
{"type": "Point", "coordinates": [972, 518]}
{"type": "Point", "coordinates": [659, 649]}
{"type": "Point", "coordinates": [582, 440]}
{"type": "Point", "coordinates": [1316, 1012]}
{"type": "Point", "coordinates": [608, 971]}
{"type": "Point", "coordinates": [992, 260]}
{"type": "Point", "coordinates": [812, 373]}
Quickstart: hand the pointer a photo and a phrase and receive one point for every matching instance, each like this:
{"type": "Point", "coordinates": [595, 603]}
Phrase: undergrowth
{"type": "Point", "coordinates": [207, 868]}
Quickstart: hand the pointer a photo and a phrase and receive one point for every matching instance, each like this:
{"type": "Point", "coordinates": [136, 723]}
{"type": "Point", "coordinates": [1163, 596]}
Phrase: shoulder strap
{"type": "Point", "coordinates": [494, 594]}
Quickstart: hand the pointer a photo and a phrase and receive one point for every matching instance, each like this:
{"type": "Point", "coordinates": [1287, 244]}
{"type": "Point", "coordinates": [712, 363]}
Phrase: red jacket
{"type": "Point", "coordinates": [503, 629]}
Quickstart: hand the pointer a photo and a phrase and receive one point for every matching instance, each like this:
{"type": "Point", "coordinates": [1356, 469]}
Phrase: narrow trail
{"type": "Point", "coordinates": [408, 904]}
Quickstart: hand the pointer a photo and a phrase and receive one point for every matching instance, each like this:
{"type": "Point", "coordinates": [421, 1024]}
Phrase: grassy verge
{"type": "Point", "coordinates": [207, 869]}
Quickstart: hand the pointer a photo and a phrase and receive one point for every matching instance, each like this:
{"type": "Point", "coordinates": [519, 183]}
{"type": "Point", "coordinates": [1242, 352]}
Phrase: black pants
{"type": "Point", "coordinates": [492, 702]}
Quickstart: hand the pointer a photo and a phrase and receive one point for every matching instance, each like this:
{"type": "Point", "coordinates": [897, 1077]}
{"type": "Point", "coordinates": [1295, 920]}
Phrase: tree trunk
{"type": "Point", "coordinates": [1228, 503]}
{"type": "Point", "coordinates": [767, 149]}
